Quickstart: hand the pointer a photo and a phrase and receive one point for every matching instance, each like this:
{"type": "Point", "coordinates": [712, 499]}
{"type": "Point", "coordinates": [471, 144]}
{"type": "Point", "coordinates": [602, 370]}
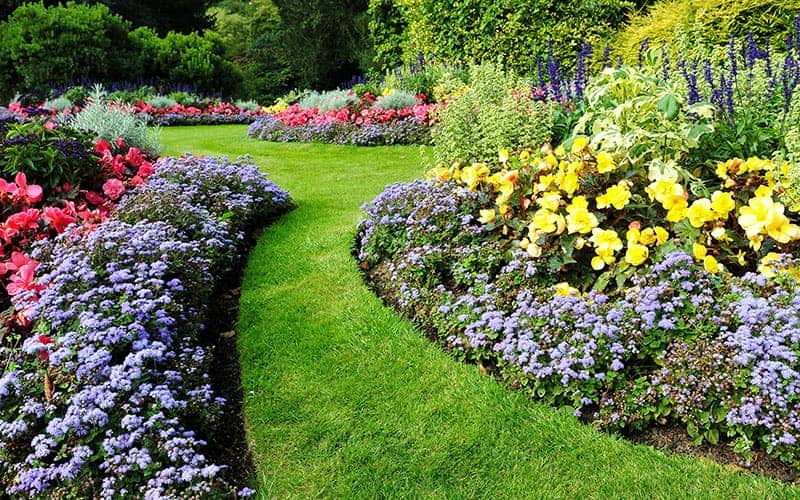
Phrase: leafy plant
{"type": "Point", "coordinates": [495, 112]}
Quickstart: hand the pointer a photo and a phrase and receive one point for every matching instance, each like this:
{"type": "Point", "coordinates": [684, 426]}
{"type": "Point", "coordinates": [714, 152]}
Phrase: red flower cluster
{"type": "Point", "coordinates": [295, 116]}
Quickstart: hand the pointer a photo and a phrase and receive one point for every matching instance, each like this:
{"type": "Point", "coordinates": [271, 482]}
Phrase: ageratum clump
{"type": "Point", "coordinates": [110, 396]}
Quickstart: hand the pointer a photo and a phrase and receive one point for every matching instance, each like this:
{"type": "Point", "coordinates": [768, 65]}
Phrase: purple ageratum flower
{"type": "Point", "coordinates": [122, 305]}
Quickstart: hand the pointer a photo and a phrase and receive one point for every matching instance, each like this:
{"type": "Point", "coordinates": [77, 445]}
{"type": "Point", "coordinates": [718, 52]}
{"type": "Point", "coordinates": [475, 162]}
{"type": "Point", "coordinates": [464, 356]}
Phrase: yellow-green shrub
{"type": "Point", "coordinates": [714, 21]}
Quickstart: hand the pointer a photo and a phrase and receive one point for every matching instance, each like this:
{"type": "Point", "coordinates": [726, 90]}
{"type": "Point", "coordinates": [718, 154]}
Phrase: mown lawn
{"type": "Point", "coordinates": [343, 398]}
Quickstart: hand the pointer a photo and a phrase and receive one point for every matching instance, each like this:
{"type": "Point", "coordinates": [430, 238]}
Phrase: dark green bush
{"type": "Point", "coordinates": [193, 58]}
{"type": "Point", "coordinates": [40, 45]}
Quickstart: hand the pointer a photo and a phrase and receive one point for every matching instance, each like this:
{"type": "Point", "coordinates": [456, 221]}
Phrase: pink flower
{"type": "Point", "coordinates": [58, 219]}
{"type": "Point", "coordinates": [145, 170]}
{"type": "Point", "coordinates": [33, 193]}
{"type": "Point", "coordinates": [94, 198]}
{"type": "Point", "coordinates": [114, 188]}
{"type": "Point", "coordinates": [102, 146]}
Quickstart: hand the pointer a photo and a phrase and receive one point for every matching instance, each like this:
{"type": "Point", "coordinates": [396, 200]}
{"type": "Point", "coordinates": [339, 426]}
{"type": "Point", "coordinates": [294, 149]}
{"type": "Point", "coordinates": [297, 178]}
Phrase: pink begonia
{"type": "Point", "coordinates": [114, 188]}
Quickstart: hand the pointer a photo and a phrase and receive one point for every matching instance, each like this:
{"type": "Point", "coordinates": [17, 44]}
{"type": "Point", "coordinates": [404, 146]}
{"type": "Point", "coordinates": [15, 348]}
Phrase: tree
{"type": "Point", "coordinates": [324, 39]}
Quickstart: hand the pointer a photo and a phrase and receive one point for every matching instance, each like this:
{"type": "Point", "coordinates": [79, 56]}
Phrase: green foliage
{"type": "Point", "coordinates": [398, 99]}
{"type": "Point", "coordinates": [642, 121]}
{"type": "Point", "coordinates": [178, 58]}
{"type": "Point", "coordinates": [161, 101]}
{"type": "Point", "coordinates": [44, 155]}
{"type": "Point", "coordinates": [58, 104]}
{"type": "Point", "coordinates": [708, 22]}
{"type": "Point", "coordinates": [76, 94]}
{"type": "Point", "coordinates": [494, 113]}
{"type": "Point", "coordinates": [111, 122]}
{"type": "Point", "coordinates": [321, 40]}
{"type": "Point", "coordinates": [247, 105]}
{"type": "Point", "coordinates": [515, 32]}
{"type": "Point", "coordinates": [250, 32]}
{"type": "Point", "coordinates": [328, 101]}
{"type": "Point", "coordinates": [64, 43]}
{"type": "Point", "coordinates": [388, 34]}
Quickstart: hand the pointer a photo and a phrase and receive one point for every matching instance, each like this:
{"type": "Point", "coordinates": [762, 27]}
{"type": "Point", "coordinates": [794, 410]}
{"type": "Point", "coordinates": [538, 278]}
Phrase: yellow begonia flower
{"type": "Point", "coordinates": [565, 290]}
{"type": "Point", "coordinates": [662, 235]}
{"type": "Point", "coordinates": [606, 242]}
{"type": "Point", "coordinates": [677, 212]}
{"type": "Point", "coordinates": [579, 144]}
{"type": "Point", "coordinates": [578, 202]}
{"type": "Point", "coordinates": [545, 221]}
{"type": "Point", "coordinates": [598, 263]}
{"type": "Point", "coordinates": [549, 201]}
{"type": "Point", "coordinates": [534, 250]}
{"type": "Point", "coordinates": [763, 215]}
{"type": "Point", "coordinates": [636, 254]}
{"type": "Point", "coordinates": [719, 233]}
{"type": "Point", "coordinates": [633, 235]}
{"type": "Point", "coordinates": [763, 191]}
{"type": "Point", "coordinates": [605, 163]}
{"type": "Point", "coordinates": [700, 212]}
{"type": "Point", "coordinates": [722, 203]}
{"type": "Point", "coordinates": [699, 251]}
{"type": "Point", "coordinates": [616, 196]}
{"type": "Point", "coordinates": [765, 266]}
{"type": "Point", "coordinates": [711, 265]}
{"type": "Point", "coordinates": [648, 236]}
{"type": "Point", "coordinates": [569, 183]}
{"type": "Point", "coordinates": [439, 173]}
{"type": "Point", "coordinates": [487, 216]}
{"type": "Point", "coordinates": [472, 175]}
{"type": "Point", "coordinates": [581, 220]}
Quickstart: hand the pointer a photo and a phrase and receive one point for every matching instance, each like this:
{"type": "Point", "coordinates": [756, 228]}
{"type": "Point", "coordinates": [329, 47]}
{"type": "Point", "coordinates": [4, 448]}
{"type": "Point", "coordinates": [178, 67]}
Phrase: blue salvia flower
{"type": "Point", "coordinates": [665, 69]}
{"type": "Point", "coordinates": [643, 50]}
{"type": "Point", "coordinates": [606, 56]}
{"type": "Point", "coordinates": [553, 72]}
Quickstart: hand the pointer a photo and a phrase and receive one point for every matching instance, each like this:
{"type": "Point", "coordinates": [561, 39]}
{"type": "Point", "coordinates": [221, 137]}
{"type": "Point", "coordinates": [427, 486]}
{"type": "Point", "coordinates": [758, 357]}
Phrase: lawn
{"type": "Point", "coordinates": [343, 398]}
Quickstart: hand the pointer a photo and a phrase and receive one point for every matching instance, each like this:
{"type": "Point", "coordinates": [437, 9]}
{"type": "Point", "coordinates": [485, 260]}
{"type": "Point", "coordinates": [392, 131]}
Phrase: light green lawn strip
{"type": "Point", "coordinates": [346, 399]}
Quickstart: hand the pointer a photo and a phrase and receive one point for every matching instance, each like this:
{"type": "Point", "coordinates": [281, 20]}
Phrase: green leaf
{"type": "Point", "coordinates": [669, 107]}
{"type": "Point", "coordinates": [712, 435]}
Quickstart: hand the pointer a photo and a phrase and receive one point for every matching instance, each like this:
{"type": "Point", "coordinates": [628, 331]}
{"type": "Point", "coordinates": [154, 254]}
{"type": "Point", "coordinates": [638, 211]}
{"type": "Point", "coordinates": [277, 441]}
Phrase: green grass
{"type": "Point", "coordinates": [343, 398]}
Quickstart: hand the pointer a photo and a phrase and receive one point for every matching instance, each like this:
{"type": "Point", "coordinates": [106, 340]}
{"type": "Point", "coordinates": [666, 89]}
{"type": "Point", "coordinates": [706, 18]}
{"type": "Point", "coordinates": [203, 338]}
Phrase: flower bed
{"type": "Point", "coordinates": [360, 124]}
{"type": "Point", "coordinates": [222, 113]}
{"type": "Point", "coordinates": [105, 389]}
{"type": "Point", "coordinates": [635, 302]}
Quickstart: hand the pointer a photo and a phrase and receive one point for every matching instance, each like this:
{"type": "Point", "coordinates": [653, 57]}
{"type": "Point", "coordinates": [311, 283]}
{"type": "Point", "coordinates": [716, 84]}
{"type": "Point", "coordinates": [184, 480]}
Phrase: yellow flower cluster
{"type": "Point", "coordinates": [585, 195]}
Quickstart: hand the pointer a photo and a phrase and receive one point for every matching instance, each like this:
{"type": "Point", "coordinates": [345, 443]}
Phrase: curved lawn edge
{"type": "Point", "coordinates": [344, 398]}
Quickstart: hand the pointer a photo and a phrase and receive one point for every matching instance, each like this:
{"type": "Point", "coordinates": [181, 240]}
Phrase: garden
{"type": "Point", "coordinates": [506, 259]}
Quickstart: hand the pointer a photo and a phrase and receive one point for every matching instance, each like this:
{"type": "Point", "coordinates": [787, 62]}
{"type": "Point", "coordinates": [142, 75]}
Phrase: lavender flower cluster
{"type": "Point", "coordinates": [405, 131]}
{"type": "Point", "coordinates": [110, 396]}
{"type": "Point", "coordinates": [719, 355]}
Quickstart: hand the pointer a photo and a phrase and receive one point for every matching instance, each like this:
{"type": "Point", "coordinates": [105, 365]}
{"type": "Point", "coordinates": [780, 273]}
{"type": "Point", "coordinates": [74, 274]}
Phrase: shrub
{"type": "Point", "coordinates": [328, 101]}
{"type": "Point", "coordinates": [247, 105]}
{"type": "Point", "coordinates": [396, 99]}
{"type": "Point", "coordinates": [643, 121]}
{"type": "Point", "coordinates": [110, 122]}
{"type": "Point", "coordinates": [63, 43]}
{"type": "Point", "coordinates": [515, 32]}
{"type": "Point", "coordinates": [50, 157]}
{"type": "Point", "coordinates": [494, 113]}
{"type": "Point", "coordinates": [160, 101]}
{"type": "Point", "coordinates": [710, 22]}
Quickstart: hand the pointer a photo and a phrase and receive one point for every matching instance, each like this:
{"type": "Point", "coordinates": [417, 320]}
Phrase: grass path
{"type": "Point", "coordinates": [345, 399]}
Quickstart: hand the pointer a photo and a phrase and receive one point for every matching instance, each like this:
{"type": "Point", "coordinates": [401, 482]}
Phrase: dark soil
{"type": "Point", "coordinates": [669, 438]}
{"type": "Point", "coordinates": [227, 443]}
